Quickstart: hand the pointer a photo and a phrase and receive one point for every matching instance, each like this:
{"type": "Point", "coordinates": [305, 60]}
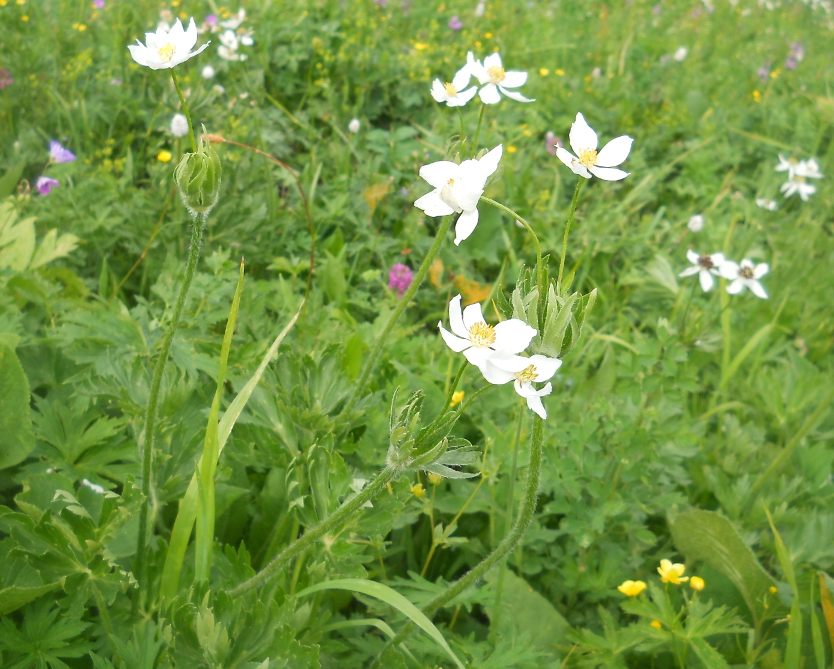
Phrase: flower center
{"type": "Point", "coordinates": [166, 52]}
{"type": "Point", "coordinates": [706, 262]}
{"type": "Point", "coordinates": [496, 74]}
{"type": "Point", "coordinates": [799, 179]}
{"type": "Point", "coordinates": [527, 374]}
{"type": "Point", "coordinates": [746, 273]}
{"type": "Point", "coordinates": [481, 335]}
{"type": "Point", "coordinates": [588, 157]}
{"type": "Point", "coordinates": [451, 91]}
{"type": "Point", "coordinates": [447, 194]}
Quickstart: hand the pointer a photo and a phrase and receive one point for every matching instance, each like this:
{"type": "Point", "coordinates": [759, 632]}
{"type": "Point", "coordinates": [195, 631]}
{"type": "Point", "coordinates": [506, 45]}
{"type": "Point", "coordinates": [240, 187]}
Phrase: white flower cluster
{"type": "Point", "coordinates": [233, 37]}
{"type": "Point", "coordinates": [492, 77]}
{"type": "Point", "coordinates": [494, 350]}
{"type": "Point", "coordinates": [741, 275]}
{"type": "Point", "coordinates": [799, 171]}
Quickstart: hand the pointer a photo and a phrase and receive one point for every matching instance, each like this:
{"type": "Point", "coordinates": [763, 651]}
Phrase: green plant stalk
{"type": "Point", "coordinates": [499, 588]}
{"type": "Point", "coordinates": [478, 130]}
{"type": "Point", "coordinates": [335, 521]}
{"type": "Point", "coordinates": [462, 130]}
{"type": "Point", "coordinates": [401, 305]}
{"type": "Point", "coordinates": [573, 204]}
{"type": "Point", "coordinates": [207, 466]}
{"type": "Point", "coordinates": [185, 111]}
{"type": "Point", "coordinates": [507, 545]}
{"type": "Point", "coordinates": [539, 264]}
{"type": "Point", "coordinates": [153, 400]}
{"type": "Point", "coordinates": [786, 453]}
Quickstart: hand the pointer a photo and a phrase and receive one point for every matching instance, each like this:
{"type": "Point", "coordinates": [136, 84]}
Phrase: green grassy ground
{"type": "Point", "coordinates": [674, 402]}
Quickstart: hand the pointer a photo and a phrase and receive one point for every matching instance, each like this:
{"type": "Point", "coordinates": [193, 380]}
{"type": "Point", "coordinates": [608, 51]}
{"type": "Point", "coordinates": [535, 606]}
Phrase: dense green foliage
{"type": "Point", "coordinates": [683, 425]}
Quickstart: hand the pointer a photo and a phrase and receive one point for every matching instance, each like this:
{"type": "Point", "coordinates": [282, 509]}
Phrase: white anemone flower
{"type": "Point", "coordinates": [704, 266]}
{"type": "Point", "coordinates": [179, 125]}
{"type": "Point", "coordinates": [798, 185]}
{"type": "Point", "coordinates": [478, 341]}
{"type": "Point", "coordinates": [696, 223]}
{"type": "Point", "coordinates": [742, 274]}
{"type": "Point", "coordinates": [164, 49]}
{"type": "Point", "coordinates": [764, 203]}
{"type": "Point", "coordinates": [457, 189]}
{"type": "Point", "coordinates": [787, 165]}
{"type": "Point", "coordinates": [500, 369]}
{"type": "Point", "coordinates": [494, 78]}
{"type": "Point", "coordinates": [229, 45]}
{"type": "Point", "coordinates": [583, 140]}
{"type": "Point", "coordinates": [234, 21]}
{"type": "Point", "coordinates": [452, 93]}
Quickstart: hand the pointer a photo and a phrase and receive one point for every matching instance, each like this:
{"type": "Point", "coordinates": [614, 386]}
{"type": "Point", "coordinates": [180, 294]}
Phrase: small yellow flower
{"type": "Point", "coordinates": [164, 156]}
{"type": "Point", "coordinates": [435, 479]}
{"type": "Point", "coordinates": [657, 624]}
{"type": "Point", "coordinates": [672, 573]}
{"type": "Point", "coordinates": [488, 35]}
{"type": "Point", "coordinates": [511, 149]}
{"type": "Point", "coordinates": [457, 397]}
{"type": "Point", "coordinates": [421, 46]}
{"type": "Point", "coordinates": [560, 73]}
{"type": "Point", "coordinates": [80, 27]}
{"type": "Point", "coordinates": [3, 3]}
{"type": "Point", "coordinates": [697, 583]}
{"type": "Point", "coordinates": [544, 71]}
{"type": "Point", "coordinates": [775, 73]}
{"type": "Point", "coordinates": [25, 17]}
{"type": "Point", "coordinates": [631, 588]}
{"type": "Point", "coordinates": [773, 590]}
{"type": "Point", "coordinates": [21, 2]}
{"type": "Point", "coordinates": [757, 96]}
{"type": "Point", "coordinates": [417, 490]}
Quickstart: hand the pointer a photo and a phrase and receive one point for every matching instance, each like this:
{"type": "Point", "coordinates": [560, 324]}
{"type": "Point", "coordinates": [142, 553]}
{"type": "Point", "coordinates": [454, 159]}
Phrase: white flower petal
{"type": "Point", "coordinates": [432, 205]}
{"type": "Point", "coordinates": [476, 68]}
{"type": "Point", "coordinates": [478, 356]}
{"type": "Point", "coordinates": [608, 173]}
{"type": "Point", "coordinates": [511, 364]}
{"type": "Point", "coordinates": [189, 39]}
{"type": "Point", "coordinates": [438, 91]}
{"type": "Point", "coordinates": [489, 162]}
{"type": "Point", "coordinates": [717, 259]}
{"type": "Point", "coordinates": [535, 405]}
{"type": "Point", "coordinates": [492, 60]}
{"type": "Point", "coordinates": [578, 168]}
{"type": "Point", "coordinates": [693, 256]}
{"type": "Point", "coordinates": [471, 315]}
{"type": "Point", "coordinates": [756, 288]}
{"type": "Point", "coordinates": [461, 78]}
{"type": "Point", "coordinates": [515, 95]}
{"type": "Point", "coordinates": [545, 366]}
{"type": "Point", "coordinates": [582, 137]}
{"type": "Point", "coordinates": [489, 94]}
{"type": "Point", "coordinates": [729, 269]}
{"type": "Point", "coordinates": [760, 270]}
{"type": "Point", "coordinates": [496, 375]}
{"type": "Point", "coordinates": [514, 79]}
{"type": "Point", "coordinates": [456, 318]}
{"type": "Point", "coordinates": [455, 343]}
{"type": "Point", "coordinates": [615, 152]}
{"type": "Point", "coordinates": [736, 287]}
{"type": "Point", "coordinates": [565, 156]}
{"type": "Point", "coordinates": [465, 225]}
{"type": "Point", "coordinates": [706, 280]}
{"type": "Point", "coordinates": [439, 173]}
{"type": "Point", "coordinates": [464, 97]}
{"type": "Point", "coordinates": [689, 271]}
{"type": "Point", "coordinates": [513, 336]}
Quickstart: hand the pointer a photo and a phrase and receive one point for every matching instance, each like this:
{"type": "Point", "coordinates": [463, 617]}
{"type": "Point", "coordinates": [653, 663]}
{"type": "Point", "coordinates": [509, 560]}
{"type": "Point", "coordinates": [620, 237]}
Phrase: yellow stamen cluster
{"type": "Point", "coordinates": [588, 157]}
{"type": "Point", "coordinates": [746, 273]}
{"type": "Point", "coordinates": [166, 52]}
{"type": "Point", "coordinates": [496, 74]}
{"type": "Point", "coordinates": [527, 374]}
{"type": "Point", "coordinates": [481, 335]}
{"type": "Point", "coordinates": [451, 91]}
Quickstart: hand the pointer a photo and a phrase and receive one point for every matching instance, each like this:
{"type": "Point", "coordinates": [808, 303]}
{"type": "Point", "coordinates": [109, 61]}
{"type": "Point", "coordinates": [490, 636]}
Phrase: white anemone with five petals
{"type": "Point", "coordinates": [500, 369]}
{"type": "Point", "coordinates": [494, 78]}
{"type": "Point", "coordinates": [587, 162]}
{"type": "Point", "coordinates": [453, 93]}
{"type": "Point", "coordinates": [165, 49]}
{"type": "Point", "coordinates": [478, 341]}
{"type": "Point", "coordinates": [745, 274]}
{"type": "Point", "coordinates": [705, 266]}
{"type": "Point", "coordinates": [457, 189]}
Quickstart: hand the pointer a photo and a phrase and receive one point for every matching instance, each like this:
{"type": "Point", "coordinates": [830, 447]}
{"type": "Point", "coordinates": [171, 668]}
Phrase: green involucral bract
{"type": "Point", "coordinates": [198, 177]}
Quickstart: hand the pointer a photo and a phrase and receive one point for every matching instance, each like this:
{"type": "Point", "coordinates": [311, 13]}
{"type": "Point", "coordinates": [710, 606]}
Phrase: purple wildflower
{"type": "Point", "coordinates": [99, 4]}
{"type": "Point", "coordinates": [5, 78]}
{"type": "Point", "coordinates": [211, 19]}
{"type": "Point", "coordinates": [551, 143]}
{"type": "Point", "coordinates": [796, 55]}
{"type": "Point", "coordinates": [791, 63]}
{"type": "Point", "coordinates": [381, 3]}
{"type": "Point", "coordinates": [400, 278]}
{"type": "Point", "coordinates": [764, 72]}
{"type": "Point", "coordinates": [455, 23]}
{"type": "Point", "coordinates": [46, 184]}
{"type": "Point", "coordinates": [59, 154]}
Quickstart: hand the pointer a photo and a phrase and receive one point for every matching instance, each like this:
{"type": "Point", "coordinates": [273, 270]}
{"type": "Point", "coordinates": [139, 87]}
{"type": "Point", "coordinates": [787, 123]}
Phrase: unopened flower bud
{"type": "Point", "coordinates": [198, 179]}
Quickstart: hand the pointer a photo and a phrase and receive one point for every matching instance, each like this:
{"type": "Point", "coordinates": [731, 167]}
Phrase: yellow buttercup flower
{"type": "Point", "coordinates": [457, 397]}
{"type": "Point", "coordinates": [164, 157]}
{"type": "Point", "coordinates": [435, 479]}
{"type": "Point", "coordinates": [657, 624]}
{"type": "Point", "coordinates": [417, 490]}
{"type": "Point", "coordinates": [672, 573]}
{"type": "Point", "coordinates": [632, 588]}
{"type": "Point", "coordinates": [697, 583]}
{"type": "Point", "coordinates": [773, 590]}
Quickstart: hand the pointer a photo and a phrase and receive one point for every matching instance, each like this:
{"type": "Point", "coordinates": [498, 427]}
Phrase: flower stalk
{"type": "Point", "coordinates": [185, 111]}
{"type": "Point", "coordinates": [573, 204]}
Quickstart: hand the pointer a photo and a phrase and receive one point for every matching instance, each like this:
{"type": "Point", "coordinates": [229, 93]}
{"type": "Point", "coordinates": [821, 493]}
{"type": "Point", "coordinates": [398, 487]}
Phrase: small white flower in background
{"type": "Point", "coordinates": [764, 203]}
{"type": "Point", "coordinates": [494, 78]}
{"type": "Point", "coordinates": [478, 341]}
{"type": "Point", "coordinates": [798, 182]}
{"type": "Point", "coordinates": [354, 125]}
{"type": "Point", "coordinates": [452, 93]}
{"type": "Point", "coordinates": [179, 125]}
{"type": "Point", "coordinates": [247, 40]}
{"type": "Point", "coordinates": [208, 72]}
{"type": "Point", "coordinates": [217, 88]}
{"type": "Point", "coordinates": [480, 8]}
{"type": "Point", "coordinates": [583, 140]}
{"type": "Point", "coordinates": [744, 274]}
{"type": "Point", "coordinates": [164, 49]}
{"type": "Point", "coordinates": [680, 54]}
{"type": "Point", "coordinates": [788, 166]}
{"type": "Point", "coordinates": [696, 223]}
{"type": "Point", "coordinates": [95, 487]}
{"type": "Point", "coordinates": [704, 266]}
{"type": "Point", "coordinates": [234, 21]}
{"type": "Point", "coordinates": [500, 369]}
{"type": "Point", "coordinates": [229, 44]}
{"type": "Point", "coordinates": [808, 169]}
{"type": "Point", "coordinates": [457, 189]}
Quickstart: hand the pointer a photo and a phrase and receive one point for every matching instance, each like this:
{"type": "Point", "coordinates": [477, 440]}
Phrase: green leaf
{"type": "Point", "coordinates": [15, 421]}
{"type": "Point", "coordinates": [793, 651]}
{"type": "Point", "coordinates": [10, 179]}
{"type": "Point", "coordinates": [14, 597]}
{"type": "Point", "coordinates": [711, 658]}
{"type": "Point", "coordinates": [712, 538]}
{"type": "Point", "coordinates": [390, 597]}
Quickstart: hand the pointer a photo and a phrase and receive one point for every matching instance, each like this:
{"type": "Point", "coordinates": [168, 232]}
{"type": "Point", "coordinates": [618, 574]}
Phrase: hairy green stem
{"type": "Point", "coordinates": [359, 386]}
{"type": "Point", "coordinates": [573, 204]}
{"type": "Point", "coordinates": [335, 521]}
{"type": "Point", "coordinates": [185, 111]}
{"type": "Point", "coordinates": [462, 131]}
{"type": "Point", "coordinates": [525, 517]}
{"type": "Point", "coordinates": [478, 130]}
{"type": "Point", "coordinates": [153, 400]}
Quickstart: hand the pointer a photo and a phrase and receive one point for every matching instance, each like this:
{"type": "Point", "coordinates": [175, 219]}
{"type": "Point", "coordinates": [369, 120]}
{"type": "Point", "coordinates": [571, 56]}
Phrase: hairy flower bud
{"type": "Point", "coordinates": [198, 178]}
